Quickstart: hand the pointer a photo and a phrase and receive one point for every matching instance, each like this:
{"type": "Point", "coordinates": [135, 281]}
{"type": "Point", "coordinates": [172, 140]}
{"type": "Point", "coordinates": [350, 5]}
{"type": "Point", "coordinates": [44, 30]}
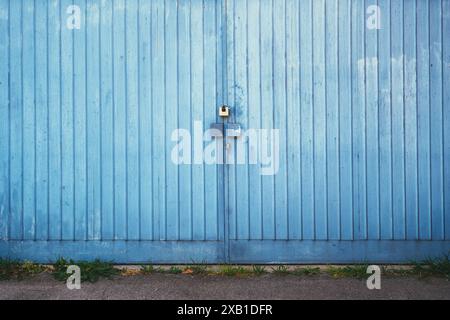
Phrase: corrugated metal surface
{"type": "Point", "coordinates": [87, 115]}
{"type": "Point", "coordinates": [86, 135]}
{"type": "Point", "coordinates": [363, 116]}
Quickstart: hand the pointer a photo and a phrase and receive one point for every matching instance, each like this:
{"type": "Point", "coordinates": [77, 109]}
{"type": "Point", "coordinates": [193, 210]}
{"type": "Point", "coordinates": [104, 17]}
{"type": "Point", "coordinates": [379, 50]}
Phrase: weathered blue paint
{"type": "Point", "coordinates": [362, 115]}
{"type": "Point", "coordinates": [128, 251]}
{"type": "Point", "coordinates": [87, 115]}
{"type": "Point", "coordinates": [86, 122]}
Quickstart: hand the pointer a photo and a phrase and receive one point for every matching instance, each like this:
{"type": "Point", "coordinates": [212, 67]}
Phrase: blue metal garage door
{"type": "Point", "coordinates": [359, 91]}
{"type": "Point", "coordinates": [336, 148]}
{"type": "Point", "coordinates": [95, 90]}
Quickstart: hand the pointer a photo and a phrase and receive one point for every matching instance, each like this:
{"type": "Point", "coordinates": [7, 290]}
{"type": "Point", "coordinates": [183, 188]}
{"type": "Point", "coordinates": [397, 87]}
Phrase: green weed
{"type": "Point", "coordinates": [90, 271]}
{"type": "Point", "coordinates": [13, 269]}
{"type": "Point", "coordinates": [438, 267]}
{"type": "Point", "coordinates": [306, 271]}
{"type": "Point", "coordinates": [228, 270]}
{"type": "Point", "coordinates": [259, 270]}
{"type": "Point", "coordinates": [351, 271]}
{"type": "Point", "coordinates": [280, 270]}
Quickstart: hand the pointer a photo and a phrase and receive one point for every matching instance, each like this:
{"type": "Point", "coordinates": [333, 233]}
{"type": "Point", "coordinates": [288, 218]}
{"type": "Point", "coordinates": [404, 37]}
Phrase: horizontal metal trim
{"type": "Point", "coordinates": [242, 251]}
{"type": "Point", "coordinates": [365, 251]}
{"type": "Point", "coordinates": [122, 251]}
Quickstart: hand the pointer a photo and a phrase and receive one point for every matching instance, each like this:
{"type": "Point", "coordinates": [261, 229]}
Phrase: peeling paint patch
{"type": "Point", "coordinates": [93, 14]}
{"type": "Point", "coordinates": [410, 73]}
{"type": "Point", "coordinates": [3, 14]}
{"type": "Point", "coordinates": [398, 62]}
{"type": "Point", "coordinates": [367, 63]}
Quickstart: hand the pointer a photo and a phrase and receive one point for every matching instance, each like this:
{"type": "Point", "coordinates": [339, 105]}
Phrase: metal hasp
{"type": "Point", "coordinates": [216, 130]}
{"type": "Point", "coordinates": [233, 130]}
{"type": "Point", "coordinates": [224, 111]}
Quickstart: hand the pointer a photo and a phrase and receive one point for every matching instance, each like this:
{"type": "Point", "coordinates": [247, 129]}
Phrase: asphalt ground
{"type": "Point", "coordinates": [266, 287]}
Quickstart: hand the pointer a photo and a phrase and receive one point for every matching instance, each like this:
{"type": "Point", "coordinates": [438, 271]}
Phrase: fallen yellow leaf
{"type": "Point", "coordinates": [188, 271]}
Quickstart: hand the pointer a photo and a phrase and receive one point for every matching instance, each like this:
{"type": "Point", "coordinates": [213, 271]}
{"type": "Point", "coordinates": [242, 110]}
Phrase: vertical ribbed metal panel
{"type": "Point", "coordinates": [363, 116]}
{"type": "Point", "coordinates": [87, 117]}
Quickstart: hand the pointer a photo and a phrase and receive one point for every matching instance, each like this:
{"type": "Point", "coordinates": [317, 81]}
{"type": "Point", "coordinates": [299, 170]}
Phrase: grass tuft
{"type": "Point", "coordinates": [90, 271]}
{"type": "Point", "coordinates": [352, 271]}
{"type": "Point", "coordinates": [13, 269]}
{"type": "Point", "coordinates": [196, 269]}
{"type": "Point", "coordinates": [438, 267]}
{"type": "Point", "coordinates": [231, 271]}
{"type": "Point", "coordinates": [306, 271]}
{"type": "Point", "coordinates": [174, 270]}
{"type": "Point", "coordinates": [147, 269]}
{"type": "Point", "coordinates": [280, 270]}
{"type": "Point", "coordinates": [259, 270]}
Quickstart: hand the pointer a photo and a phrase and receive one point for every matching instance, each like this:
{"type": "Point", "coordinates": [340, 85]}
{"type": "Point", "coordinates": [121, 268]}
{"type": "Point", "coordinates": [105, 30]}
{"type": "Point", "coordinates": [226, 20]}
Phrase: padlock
{"type": "Point", "coordinates": [224, 111]}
